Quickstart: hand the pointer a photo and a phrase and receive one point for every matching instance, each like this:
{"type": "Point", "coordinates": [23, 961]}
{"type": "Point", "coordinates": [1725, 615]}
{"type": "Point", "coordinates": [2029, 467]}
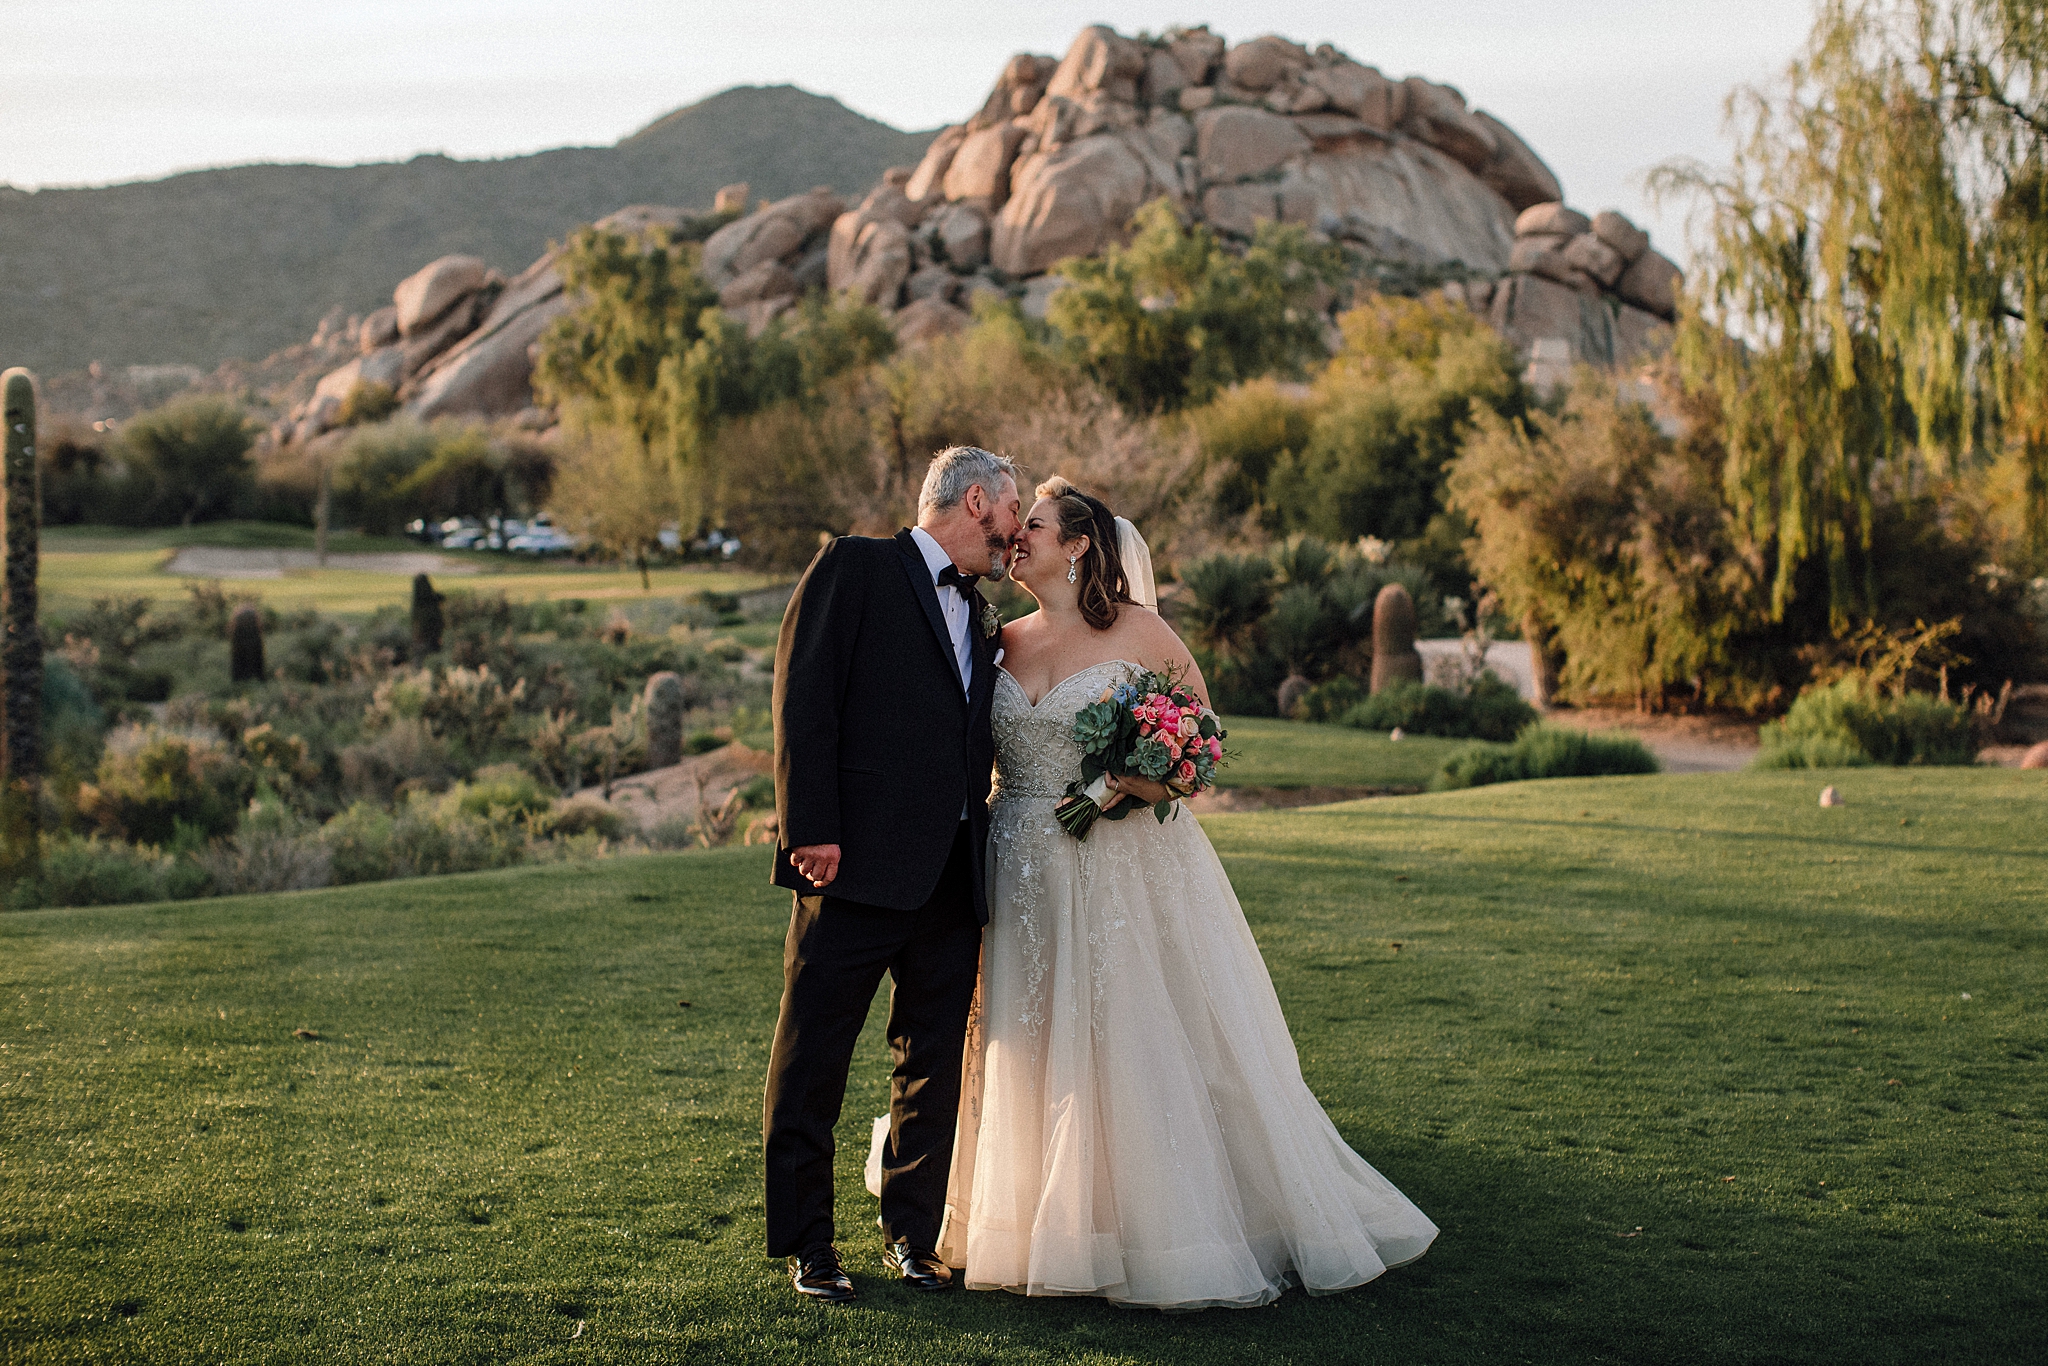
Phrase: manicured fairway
{"type": "Point", "coordinates": [1682, 1065]}
{"type": "Point", "coordinates": [83, 563]}
{"type": "Point", "coordinates": [1267, 752]}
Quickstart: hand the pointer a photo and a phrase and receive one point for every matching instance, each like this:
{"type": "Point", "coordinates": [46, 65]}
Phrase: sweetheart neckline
{"type": "Point", "coordinates": [1034, 706]}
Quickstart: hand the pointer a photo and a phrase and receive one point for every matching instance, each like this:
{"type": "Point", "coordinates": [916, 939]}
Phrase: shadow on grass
{"type": "Point", "coordinates": [1535, 1266]}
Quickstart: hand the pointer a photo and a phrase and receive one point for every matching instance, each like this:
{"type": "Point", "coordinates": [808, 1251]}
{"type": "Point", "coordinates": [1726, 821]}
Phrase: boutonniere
{"type": "Point", "coordinates": [990, 622]}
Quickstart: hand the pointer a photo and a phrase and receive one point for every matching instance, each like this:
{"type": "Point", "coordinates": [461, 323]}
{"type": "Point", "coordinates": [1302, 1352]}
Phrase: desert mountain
{"type": "Point", "coordinates": [244, 261]}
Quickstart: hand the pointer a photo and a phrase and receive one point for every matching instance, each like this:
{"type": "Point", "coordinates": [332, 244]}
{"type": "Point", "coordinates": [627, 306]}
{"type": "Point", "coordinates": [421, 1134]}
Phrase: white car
{"type": "Point", "coordinates": [542, 540]}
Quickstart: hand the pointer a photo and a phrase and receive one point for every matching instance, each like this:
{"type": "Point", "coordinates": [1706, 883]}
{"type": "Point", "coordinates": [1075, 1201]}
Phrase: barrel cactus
{"type": "Point", "coordinates": [427, 621]}
{"type": "Point", "coordinates": [21, 639]}
{"type": "Point", "coordinates": [664, 720]}
{"type": "Point", "coordinates": [1292, 689]}
{"type": "Point", "coordinates": [245, 645]}
{"type": "Point", "coordinates": [1394, 656]}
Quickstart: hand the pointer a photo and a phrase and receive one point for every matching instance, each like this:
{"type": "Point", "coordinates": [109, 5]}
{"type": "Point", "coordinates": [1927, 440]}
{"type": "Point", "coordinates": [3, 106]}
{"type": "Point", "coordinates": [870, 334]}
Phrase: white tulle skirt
{"type": "Point", "coordinates": [1134, 1123]}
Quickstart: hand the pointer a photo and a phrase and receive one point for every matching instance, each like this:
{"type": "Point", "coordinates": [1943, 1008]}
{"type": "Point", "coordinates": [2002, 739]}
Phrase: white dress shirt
{"type": "Point", "coordinates": [953, 605]}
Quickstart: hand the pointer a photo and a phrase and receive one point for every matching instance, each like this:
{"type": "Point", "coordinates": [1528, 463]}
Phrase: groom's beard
{"type": "Point", "coordinates": [998, 550]}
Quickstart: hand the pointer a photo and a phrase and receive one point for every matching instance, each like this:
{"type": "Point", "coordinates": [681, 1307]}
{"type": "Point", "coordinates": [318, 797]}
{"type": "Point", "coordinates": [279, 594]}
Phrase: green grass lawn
{"type": "Point", "coordinates": [1683, 1066]}
{"type": "Point", "coordinates": [1274, 753]}
{"type": "Point", "coordinates": [83, 563]}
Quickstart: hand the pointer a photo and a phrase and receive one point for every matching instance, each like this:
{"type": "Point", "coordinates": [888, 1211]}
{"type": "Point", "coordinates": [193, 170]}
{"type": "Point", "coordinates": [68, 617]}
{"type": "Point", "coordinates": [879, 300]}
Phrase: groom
{"type": "Point", "coordinates": [883, 750]}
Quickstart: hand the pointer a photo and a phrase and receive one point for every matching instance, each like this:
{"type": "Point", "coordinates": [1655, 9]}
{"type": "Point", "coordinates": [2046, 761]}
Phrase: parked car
{"type": "Point", "coordinates": [542, 540]}
{"type": "Point", "coordinates": [717, 543]}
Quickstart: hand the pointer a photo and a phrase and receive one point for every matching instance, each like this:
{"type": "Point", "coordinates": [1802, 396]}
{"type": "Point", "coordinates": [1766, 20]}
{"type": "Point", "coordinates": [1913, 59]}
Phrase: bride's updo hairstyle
{"type": "Point", "coordinates": [1100, 579]}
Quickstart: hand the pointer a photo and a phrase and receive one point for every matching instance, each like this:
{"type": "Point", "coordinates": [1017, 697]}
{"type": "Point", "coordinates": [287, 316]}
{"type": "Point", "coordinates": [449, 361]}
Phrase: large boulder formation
{"type": "Point", "coordinates": [1585, 291]}
{"type": "Point", "coordinates": [1063, 152]}
{"type": "Point", "coordinates": [1414, 183]}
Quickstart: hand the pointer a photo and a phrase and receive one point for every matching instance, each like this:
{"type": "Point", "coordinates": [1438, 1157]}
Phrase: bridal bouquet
{"type": "Point", "coordinates": [1152, 727]}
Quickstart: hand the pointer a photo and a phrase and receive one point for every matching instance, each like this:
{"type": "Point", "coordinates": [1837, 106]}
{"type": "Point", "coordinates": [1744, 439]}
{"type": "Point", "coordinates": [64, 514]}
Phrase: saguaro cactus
{"type": "Point", "coordinates": [427, 622]}
{"type": "Point", "coordinates": [1394, 656]}
{"type": "Point", "coordinates": [664, 720]}
{"type": "Point", "coordinates": [245, 645]}
{"type": "Point", "coordinates": [21, 637]}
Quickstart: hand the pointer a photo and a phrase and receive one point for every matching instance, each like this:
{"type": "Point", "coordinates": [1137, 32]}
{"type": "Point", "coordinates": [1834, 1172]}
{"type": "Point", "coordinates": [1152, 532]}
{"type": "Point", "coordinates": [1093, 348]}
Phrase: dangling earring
{"type": "Point", "coordinates": [1072, 573]}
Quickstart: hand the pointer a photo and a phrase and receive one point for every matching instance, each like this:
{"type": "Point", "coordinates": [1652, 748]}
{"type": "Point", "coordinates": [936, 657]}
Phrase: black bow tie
{"type": "Point", "coordinates": [964, 582]}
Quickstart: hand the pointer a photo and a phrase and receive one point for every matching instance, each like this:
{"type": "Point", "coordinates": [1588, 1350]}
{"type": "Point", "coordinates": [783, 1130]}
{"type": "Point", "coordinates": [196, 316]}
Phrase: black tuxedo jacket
{"type": "Point", "coordinates": [877, 748]}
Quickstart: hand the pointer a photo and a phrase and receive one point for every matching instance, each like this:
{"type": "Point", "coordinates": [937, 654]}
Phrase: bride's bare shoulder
{"type": "Point", "coordinates": [1148, 638]}
{"type": "Point", "coordinates": [1023, 630]}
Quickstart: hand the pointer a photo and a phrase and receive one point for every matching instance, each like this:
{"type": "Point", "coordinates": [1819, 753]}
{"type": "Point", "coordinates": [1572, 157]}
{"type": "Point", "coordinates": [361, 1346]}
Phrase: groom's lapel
{"type": "Point", "coordinates": [984, 655]}
{"type": "Point", "coordinates": [928, 597]}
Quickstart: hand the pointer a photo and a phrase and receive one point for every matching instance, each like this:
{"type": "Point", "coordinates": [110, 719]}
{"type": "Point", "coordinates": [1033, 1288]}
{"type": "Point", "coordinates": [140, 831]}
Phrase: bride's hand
{"type": "Point", "coordinates": [1139, 789]}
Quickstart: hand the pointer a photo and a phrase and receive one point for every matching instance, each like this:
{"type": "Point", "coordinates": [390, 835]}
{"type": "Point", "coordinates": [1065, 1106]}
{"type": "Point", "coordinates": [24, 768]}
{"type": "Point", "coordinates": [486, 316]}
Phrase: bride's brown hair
{"type": "Point", "coordinates": [1100, 578]}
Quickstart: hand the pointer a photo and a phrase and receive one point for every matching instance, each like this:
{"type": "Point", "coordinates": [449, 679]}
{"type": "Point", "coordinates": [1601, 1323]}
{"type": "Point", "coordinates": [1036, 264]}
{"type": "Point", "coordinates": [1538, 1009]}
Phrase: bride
{"type": "Point", "coordinates": [1133, 1123]}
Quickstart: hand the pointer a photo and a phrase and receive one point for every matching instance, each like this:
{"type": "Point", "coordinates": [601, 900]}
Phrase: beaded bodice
{"type": "Point", "coordinates": [1036, 756]}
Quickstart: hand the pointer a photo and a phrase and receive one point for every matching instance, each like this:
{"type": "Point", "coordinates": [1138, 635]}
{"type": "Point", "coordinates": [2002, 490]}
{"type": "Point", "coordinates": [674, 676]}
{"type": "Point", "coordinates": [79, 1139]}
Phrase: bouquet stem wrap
{"type": "Point", "coordinates": [1078, 811]}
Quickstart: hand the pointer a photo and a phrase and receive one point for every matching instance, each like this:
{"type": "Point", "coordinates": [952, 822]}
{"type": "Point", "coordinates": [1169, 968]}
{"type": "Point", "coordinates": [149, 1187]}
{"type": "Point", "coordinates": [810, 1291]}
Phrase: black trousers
{"type": "Point", "coordinates": [832, 963]}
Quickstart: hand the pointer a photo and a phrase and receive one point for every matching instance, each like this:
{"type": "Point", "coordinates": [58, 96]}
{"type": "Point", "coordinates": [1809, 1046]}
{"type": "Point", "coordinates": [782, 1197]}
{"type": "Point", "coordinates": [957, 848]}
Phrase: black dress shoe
{"type": "Point", "coordinates": [919, 1270]}
{"type": "Point", "coordinates": [816, 1275]}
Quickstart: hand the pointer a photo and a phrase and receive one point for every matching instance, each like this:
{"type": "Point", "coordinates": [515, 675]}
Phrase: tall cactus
{"type": "Point", "coordinates": [21, 638]}
{"type": "Point", "coordinates": [664, 720]}
{"type": "Point", "coordinates": [1394, 656]}
{"type": "Point", "coordinates": [245, 645]}
{"type": "Point", "coordinates": [427, 620]}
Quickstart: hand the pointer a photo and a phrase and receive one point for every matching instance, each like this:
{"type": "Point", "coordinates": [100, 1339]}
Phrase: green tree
{"type": "Point", "coordinates": [196, 451]}
{"type": "Point", "coordinates": [1388, 414]}
{"type": "Point", "coordinates": [613, 489]}
{"type": "Point", "coordinates": [1245, 431]}
{"type": "Point", "coordinates": [649, 353]}
{"type": "Point", "coordinates": [1869, 305]}
{"type": "Point", "coordinates": [1174, 317]}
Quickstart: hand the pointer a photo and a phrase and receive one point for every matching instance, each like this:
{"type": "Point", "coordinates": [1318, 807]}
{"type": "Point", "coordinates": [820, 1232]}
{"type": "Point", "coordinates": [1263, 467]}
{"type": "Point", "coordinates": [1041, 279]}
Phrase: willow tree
{"type": "Point", "coordinates": [1867, 300]}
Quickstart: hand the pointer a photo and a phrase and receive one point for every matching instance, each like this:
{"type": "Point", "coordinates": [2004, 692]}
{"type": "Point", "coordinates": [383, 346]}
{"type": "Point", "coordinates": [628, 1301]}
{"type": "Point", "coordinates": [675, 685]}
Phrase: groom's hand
{"type": "Point", "coordinates": [819, 863]}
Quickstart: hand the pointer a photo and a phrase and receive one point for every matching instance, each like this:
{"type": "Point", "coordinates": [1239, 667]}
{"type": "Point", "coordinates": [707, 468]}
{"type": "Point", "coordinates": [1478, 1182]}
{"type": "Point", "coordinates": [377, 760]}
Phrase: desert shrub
{"type": "Point", "coordinates": [1175, 317]}
{"type": "Point", "coordinates": [1388, 413]}
{"type": "Point", "coordinates": [369, 401]}
{"type": "Point", "coordinates": [1490, 709]}
{"type": "Point", "coordinates": [423, 835]}
{"type": "Point", "coordinates": [1331, 700]}
{"type": "Point", "coordinates": [372, 467]}
{"type": "Point", "coordinates": [1417, 708]}
{"type": "Point", "coordinates": [73, 723]}
{"type": "Point", "coordinates": [102, 643]}
{"type": "Point", "coordinates": [77, 473]}
{"type": "Point", "coordinates": [1242, 434]}
{"type": "Point", "coordinates": [273, 851]}
{"type": "Point", "coordinates": [92, 871]}
{"type": "Point", "coordinates": [1544, 751]}
{"type": "Point", "coordinates": [406, 756]}
{"type": "Point", "coordinates": [195, 454]}
{"type": "Point", "coordinates": [504, 794]}
{"type": "Point", "coordinates": [1849, 723]}
{"type": "Point", "coordinates": [586, 818]}
{"type": "Point", "coordinates": [151, 780]}
{"type": "Point", "coordinates": [467, 708]}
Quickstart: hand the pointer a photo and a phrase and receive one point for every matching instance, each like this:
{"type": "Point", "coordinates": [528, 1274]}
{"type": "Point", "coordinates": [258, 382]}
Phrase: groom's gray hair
{"type": "Point", "coordinates": [957, 469]}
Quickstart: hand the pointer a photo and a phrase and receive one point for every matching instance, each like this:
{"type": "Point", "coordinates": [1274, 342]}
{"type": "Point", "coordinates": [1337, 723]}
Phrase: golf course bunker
{"type": "Point", "coordinates": [218, 562]}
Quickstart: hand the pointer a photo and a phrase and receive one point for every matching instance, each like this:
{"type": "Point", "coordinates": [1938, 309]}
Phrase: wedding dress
{"type": "Point", "coordinates": [1134, 1124]}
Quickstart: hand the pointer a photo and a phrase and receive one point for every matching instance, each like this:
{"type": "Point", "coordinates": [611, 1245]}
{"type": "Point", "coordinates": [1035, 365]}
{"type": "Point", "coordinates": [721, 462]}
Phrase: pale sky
{"type": "Point", "coordinates": [96, 91]}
